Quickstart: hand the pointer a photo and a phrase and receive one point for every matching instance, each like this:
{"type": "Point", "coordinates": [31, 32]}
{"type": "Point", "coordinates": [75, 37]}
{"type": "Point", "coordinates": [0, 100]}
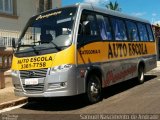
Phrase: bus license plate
{"type": "Point", "coordinates": [32, 81]}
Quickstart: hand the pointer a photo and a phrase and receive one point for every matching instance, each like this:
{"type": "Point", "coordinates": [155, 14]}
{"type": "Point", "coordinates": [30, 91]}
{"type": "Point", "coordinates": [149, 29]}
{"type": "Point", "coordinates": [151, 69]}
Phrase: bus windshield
{"type": "Point", "coordinates": [48, 32]}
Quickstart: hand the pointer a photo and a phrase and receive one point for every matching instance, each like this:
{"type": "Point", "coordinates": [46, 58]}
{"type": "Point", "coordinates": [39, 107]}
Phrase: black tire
{"type": "Point", "coordinates": [32, 99]}
{"type": "Point", "coordinates": [35, 99]}
{"type": "Point", "coordinates": [140, 77]}
{"type": "Point", "coordinates": [94, 89]}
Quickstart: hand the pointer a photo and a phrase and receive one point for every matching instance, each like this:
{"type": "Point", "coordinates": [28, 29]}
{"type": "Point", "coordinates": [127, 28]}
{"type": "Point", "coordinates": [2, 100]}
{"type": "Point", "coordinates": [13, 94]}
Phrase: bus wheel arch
{"type": "Point", "coordinates": [94, 85]}
{"type": "Point", "coordinates": [141, 71]}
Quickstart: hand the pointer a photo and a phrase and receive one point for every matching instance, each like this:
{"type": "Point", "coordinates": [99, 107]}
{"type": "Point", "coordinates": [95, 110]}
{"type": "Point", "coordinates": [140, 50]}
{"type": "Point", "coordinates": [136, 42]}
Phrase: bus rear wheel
{"type": "Point", "coordinates": [94, 89]}
{"type": "Point", "coordinates": [140, 74]}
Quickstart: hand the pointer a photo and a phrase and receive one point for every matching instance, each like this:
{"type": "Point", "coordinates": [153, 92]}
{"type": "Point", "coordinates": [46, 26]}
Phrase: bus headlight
{"type": "Point", "coordinates": [15, 73]}
{"type": "Point", "coordinates": [61, 68]}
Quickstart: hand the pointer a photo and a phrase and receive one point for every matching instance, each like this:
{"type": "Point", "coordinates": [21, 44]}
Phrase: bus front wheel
{"type": "Point", "coordinates": [94, 89]}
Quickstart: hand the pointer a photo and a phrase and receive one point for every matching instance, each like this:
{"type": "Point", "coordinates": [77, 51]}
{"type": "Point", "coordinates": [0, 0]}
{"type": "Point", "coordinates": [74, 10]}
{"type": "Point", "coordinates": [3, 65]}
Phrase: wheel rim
{"type": "Point", "coordinates": [94, 89]}
{"type": "Point", "coordinates": [141, 74]}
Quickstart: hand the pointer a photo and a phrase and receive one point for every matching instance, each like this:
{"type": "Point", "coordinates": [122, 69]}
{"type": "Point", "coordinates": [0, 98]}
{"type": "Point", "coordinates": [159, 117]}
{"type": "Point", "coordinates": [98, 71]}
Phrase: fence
{"type": "Point", "coordinates": [5, 64]}
{"type": "Point", "coordinates": [6, 37]}
{"type": "Point", "coordinates": [5, 59]}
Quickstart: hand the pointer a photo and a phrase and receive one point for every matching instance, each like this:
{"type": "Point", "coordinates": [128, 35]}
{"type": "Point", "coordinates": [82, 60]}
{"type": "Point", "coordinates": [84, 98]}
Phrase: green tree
{"type": "Point", "coordinates": [113, 6]}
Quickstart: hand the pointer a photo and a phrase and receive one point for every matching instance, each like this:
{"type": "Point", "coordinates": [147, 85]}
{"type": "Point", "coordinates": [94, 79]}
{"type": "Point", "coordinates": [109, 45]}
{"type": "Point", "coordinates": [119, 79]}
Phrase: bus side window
{"type": "Point", "coordinates": [119, 29]}
{"type": "Point", "coordinates": [132, 31]}
{"type": "Point", "coordinates": [87, 31]}
{"type": "Point", "coordinates": [105, 28]}
{"type": "Point", "coordinates": [87, 25]}
{"type": "Point", "coordinates": [150, 33]}
{"type": "Point", "coordinates": [142, 32]}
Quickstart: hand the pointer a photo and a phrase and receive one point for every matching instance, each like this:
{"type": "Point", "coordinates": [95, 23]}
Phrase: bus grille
{"type": "Point", "coordinates": [34, 88]}
{"type": "Point", "coordinates": [40, 73]}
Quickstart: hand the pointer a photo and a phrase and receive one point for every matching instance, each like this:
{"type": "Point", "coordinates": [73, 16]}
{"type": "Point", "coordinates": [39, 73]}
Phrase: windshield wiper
{"type": "Point", "coordinates": [58, 48]}
{"type": "Point", "coordinates": [26, 46]}
{"type": "Point", "coordinates": [36, 51]}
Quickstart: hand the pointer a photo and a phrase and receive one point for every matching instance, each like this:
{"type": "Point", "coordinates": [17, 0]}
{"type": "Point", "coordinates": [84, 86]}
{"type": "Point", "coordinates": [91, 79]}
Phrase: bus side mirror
{"type": "Point", "coordinates": [82, 27]}
{"type": "Point", "coordinates": [85, 23]}
{"type": "Point", "coordinates": [86, 28]}
{"type": "Point", "coordinates": [13, 43]}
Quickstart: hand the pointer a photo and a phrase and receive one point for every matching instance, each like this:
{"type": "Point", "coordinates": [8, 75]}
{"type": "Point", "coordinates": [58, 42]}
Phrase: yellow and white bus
{"type": "Point", "coordinates": [81, 49]}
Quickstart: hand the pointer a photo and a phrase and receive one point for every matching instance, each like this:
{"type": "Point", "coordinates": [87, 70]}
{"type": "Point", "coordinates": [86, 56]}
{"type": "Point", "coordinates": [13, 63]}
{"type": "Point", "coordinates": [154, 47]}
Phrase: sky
{"type": "Point", "coordinates": [146, 9]}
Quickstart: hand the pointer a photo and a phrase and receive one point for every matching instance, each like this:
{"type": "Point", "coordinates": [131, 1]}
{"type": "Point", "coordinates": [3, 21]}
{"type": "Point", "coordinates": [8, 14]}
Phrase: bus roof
{"type": "Point", "coordinates": [91, 7]}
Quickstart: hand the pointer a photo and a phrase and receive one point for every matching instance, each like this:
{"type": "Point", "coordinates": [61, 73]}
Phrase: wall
{"type": "Point", "coordinates": [24, 9]}
{"type": "Point", "coordinates": [56, 3]}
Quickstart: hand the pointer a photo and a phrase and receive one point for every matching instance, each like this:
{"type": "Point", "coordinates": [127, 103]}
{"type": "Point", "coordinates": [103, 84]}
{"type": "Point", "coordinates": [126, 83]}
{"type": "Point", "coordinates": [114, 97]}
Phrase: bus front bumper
{"type": "Point", "coordinates": [53, 85]}
{"type": "Point", "coordinates": [46, 94]}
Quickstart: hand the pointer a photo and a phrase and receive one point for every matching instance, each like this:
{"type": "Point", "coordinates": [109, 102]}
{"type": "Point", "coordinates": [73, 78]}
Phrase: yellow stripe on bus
{"type": "Point", "coordinates": [107, 51]}
{"type": "Point", "coordinates": [45, 61]}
